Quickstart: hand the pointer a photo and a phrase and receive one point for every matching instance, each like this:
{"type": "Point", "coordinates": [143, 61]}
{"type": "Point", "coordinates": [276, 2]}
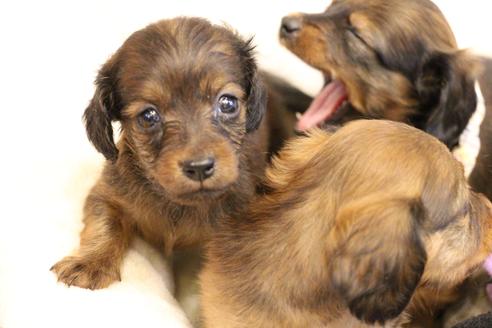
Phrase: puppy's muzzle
{"type": "Point", "coordinates": [199, 170]}
{"type": "Point", "coordinates": [290, 26]}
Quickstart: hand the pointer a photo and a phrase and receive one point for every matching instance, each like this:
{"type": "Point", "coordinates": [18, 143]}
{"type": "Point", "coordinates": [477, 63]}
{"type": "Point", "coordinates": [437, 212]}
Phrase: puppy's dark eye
{"type": "Point", "coordinates": [149, 118]}
{"type": "Point", "coordinates": [228, 105]}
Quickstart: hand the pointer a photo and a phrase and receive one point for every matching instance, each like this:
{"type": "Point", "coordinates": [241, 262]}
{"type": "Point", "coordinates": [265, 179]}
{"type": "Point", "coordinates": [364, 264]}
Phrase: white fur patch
{"type": "Point", "coordinates": [469, 146]}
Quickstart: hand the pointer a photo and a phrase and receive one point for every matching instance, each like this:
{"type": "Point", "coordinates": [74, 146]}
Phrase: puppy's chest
{"type": "Point", "coordinates": [180, 226]}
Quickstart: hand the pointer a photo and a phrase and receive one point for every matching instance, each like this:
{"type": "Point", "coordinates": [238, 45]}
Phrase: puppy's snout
{"type": "Point", "coordinates": [199, 170]}
{"type": "Point", "coordinates": [290, 25]}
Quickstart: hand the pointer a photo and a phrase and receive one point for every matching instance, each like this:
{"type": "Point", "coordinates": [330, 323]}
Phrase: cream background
{"type": "Point", "coordinates": [49, 54]}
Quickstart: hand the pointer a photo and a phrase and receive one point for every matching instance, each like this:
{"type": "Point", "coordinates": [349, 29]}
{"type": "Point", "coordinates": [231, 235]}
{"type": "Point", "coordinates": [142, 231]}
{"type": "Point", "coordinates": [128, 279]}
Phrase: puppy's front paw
{"type": "Point", "coordinates": [78, 271]}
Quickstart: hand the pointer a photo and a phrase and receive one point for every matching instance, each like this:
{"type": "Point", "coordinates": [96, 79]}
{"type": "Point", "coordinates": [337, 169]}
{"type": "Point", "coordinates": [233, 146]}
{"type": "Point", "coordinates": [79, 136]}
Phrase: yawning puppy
{"type": "Point", "coordinates": [355, 226]}
{"type": "Point", "coordinates": [192, 146]}
{"type": "Point", "coordinates": [387, 59]}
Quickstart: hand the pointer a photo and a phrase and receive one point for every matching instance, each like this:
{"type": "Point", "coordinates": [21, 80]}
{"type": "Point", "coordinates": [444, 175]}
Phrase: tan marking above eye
{"type": "Point", "coordinates": [360, 22]}
{"type": "Point", "coordinates": [156, 91]}
{"type": "Point", "coordinates": [135, 108]}
{"type": "Point", "coordinates": [233, 89]}
{"type": "Point", "coordinates": [365, 28]}
{"type": "Point", "coordinates": [222, 87]}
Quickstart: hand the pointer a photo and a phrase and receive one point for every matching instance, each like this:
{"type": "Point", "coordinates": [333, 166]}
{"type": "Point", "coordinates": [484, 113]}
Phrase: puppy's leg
{"type": "Point", "coordinates": [103, 242]}
{"type": "Point", "coordinates": [186, 265]}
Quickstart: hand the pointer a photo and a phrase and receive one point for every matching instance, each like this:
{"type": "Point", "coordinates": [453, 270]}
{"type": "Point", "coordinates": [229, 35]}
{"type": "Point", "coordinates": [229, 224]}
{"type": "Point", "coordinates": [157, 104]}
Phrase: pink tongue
{"type": "Point", "coordinates": [488, 266]}
{"type": "Point", "coordinates": [323, 106]}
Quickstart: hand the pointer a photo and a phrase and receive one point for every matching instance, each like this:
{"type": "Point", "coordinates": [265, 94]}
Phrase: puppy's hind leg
{"type": "Point", "coordinates": [103, 242]}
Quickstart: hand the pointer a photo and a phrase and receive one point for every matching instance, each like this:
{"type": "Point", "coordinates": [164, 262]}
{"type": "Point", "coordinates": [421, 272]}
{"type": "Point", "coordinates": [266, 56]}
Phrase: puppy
{"type": "Point", "coordinates": [354, 227]}
{"type": "Point", "coordinates": [394, 60]}
{"type": "Point", "coordinates": [192, 147]}
{"type": "Point", "coordinates": [388, 59]}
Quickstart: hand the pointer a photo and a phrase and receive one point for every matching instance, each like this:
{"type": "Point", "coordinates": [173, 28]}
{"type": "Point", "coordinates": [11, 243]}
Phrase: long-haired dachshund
{"type": "Point", "coordinates": [388, 59]}
{"type": "Point", "coordinates": [355, 227]}
{"type": "Point", "coordinates": [394, 60]}
{"type": "Point", "coordinates": [192, 147]}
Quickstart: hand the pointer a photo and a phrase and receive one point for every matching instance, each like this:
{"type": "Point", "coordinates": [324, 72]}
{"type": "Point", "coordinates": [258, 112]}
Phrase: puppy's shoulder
{"type": "Point", "coordinates": [296, 156]}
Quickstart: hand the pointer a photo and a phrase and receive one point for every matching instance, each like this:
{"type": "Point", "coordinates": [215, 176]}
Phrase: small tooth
{"type": "Point", "coordinates": [298, 115]}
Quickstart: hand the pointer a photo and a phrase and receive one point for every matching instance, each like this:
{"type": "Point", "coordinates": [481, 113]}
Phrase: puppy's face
{"type": "Point", "coordinates": [186, 95]}
{"type": "Point", "coordinates": [390, 59]}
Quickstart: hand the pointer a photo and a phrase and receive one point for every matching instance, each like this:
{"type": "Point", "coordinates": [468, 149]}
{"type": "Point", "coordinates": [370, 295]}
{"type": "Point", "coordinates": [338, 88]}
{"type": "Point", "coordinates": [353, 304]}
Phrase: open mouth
{"type": "Point", "coordinates": [326, 106]}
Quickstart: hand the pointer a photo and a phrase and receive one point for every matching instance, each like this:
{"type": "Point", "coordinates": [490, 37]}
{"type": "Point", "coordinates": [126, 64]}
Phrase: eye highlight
{"type": "Point", "coordinates": [227, 105]}
{"type": "Point", "coordinates": [149, 117]}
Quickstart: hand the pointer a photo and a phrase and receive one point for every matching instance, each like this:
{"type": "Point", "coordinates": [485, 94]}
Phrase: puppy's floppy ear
{"type": "Point", "coordinates": [446, 86]}
{"type": "Point", "coordinates": [480, 207]}
{"type": "Point", "coordinates": [377, 256]}
{"type": "Point", "coordinates": [256, 93]}
{"type": "Point", "coordinates": [257, 100]}
{"type": "Point", "coordinates": [102, 109]}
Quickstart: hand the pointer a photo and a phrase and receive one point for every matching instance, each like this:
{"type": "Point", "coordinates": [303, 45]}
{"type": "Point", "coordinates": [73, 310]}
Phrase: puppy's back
{"type": "Point", "coordinates": [289, 261]}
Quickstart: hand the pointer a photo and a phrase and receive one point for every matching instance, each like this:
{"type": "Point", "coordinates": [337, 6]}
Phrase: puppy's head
{"type": "Point", "coordinates": [390, 59]}
{"type": "Point", "coordinates": [405, 217]}
{"type": "Point", "coordinates": [186, 94]}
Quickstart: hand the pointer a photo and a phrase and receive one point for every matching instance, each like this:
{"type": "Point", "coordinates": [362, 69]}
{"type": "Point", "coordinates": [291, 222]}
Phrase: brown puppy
{"type": "Point", "coordinates": [192, 147]}
{"type": "Point", "coordinates": [354, 225]}
{"type": "Point", "coordinates": [390, 59]}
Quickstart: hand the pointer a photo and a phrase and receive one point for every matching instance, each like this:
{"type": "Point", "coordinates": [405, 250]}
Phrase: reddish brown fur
{"type": "Point", "coordinates": [355, 227]}
{"type": "Point", "coordinates": [397, 59]}
{"type": "Point", "coordinates": [180, 67]}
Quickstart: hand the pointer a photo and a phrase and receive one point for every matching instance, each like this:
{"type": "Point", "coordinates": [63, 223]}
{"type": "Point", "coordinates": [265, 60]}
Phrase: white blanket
{"type": "Point", "coordinates": [47, 229]}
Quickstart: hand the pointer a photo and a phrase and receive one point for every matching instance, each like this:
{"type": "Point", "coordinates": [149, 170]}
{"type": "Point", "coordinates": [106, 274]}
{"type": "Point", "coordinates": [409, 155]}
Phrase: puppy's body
{"type": "Point", "coordinates": [192, 149]}
{"type": "Point", "coordinates": [354, 226]}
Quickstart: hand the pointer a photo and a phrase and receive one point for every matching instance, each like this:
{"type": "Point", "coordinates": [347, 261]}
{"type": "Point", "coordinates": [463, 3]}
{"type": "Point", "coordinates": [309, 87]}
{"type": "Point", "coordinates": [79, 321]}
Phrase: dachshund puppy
{"type": "Point", "coordinates": [354, 226]}
{"type": "Point", "coordinates": [386, 59]}
{"type": "Point", "coordinates": [192, 146]}
{"type": "Point", "coordinates": [394, 60]}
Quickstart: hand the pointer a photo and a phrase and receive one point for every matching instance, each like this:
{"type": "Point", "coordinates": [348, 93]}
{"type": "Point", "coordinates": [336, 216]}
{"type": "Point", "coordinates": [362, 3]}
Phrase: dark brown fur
{"type": "Point", "coordinates": [356, 226]}
{"type": "Point", "coordinates": [284, 101]}
{"type": "Point", "coordinates": [397, 59]}
{"type": "Point", "coordinates": [180, 67]}
{"type": "Point", "coordinates": [476, 300]}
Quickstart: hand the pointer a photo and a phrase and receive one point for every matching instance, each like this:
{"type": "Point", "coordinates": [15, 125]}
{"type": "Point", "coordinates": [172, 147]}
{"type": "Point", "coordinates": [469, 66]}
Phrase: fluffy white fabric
{"type": "Point", "coordinates": [51, 51]}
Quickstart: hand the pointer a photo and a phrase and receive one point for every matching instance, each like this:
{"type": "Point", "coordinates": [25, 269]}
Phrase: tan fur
{"type": "Point", "coordinates": [355, 227]}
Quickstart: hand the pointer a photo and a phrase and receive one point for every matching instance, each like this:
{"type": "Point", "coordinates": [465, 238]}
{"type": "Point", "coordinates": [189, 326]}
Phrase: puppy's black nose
{"type": "Point", "coordinates": [199, 170]}
{"type": "Point", "coordinates": [290, 25]}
